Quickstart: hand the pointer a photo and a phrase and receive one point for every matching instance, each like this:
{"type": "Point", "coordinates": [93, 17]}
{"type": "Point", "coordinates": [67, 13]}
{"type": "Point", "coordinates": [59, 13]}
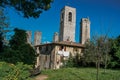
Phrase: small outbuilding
{"type": "Point", "coordinates": [52, 55]}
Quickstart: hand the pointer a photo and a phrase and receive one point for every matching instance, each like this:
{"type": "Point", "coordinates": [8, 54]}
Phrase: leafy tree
{"type": "Point", "coordinates": [96, 51]}
{"type": "Point", "coordinates": [18, 39]}
{"type": "Point", "coordinates": [115, 53]}
{"type": "Point", "coordinates": [27, 54]}
{"type": "Point", "coordinates": [1, 42]}
{"type": "Point", "coordinates": [10, 56]}
{"type": "Point", "coordinates": [19, 50]}
{"type": "Point", "coordinates": [29, 8]}
{"type": "Point", "coordinates": [3, 24]}
{"type": "Point", "coordinates": [24, 51]}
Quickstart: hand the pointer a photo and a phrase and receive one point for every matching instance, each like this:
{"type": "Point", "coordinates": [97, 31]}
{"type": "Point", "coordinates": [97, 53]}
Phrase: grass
{"type": "Point", "coordinates": [81, 74]}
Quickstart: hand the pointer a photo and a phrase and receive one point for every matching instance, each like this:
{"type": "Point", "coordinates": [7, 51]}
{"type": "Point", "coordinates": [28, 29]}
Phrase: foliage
{"type": "Point", "coordinates": [27, 54]}
{"type": "Point", "coordinates": [19, 38]}
{"type": "Point", "coordinates": [10, 56]}
{"type": "Point", "coordinates": [24, 51]}
{"type": "Point", "coordinates": [70, 61]}
{"type": "Point", "coordinates": [3, 25]}
{"type": "Point", "coordinates": [1, 42]}
{"type": "Point", "coordinates": [19, 71]}
{"type": "Point", "coordinates": [73, 61]}
{"type": "Point", "coordinates": [19, 50]}
{"type": "Point", "coordinates": [3, 20]}
{"type": "Point", "coordinates": [29, 8]}
{"type": "Point", "coordinates": [96, 51]}
{"type": "Point", "coordinates": [115, 53]}
{"type": "Point", "coordinates": [81, 74]}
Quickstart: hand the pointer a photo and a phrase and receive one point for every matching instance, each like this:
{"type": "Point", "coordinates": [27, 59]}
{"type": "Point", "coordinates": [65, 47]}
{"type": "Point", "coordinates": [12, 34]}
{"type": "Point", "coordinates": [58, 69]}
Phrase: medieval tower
{"type": "Point", "coordinates": [67, 24]}
{"type": "Point", "coordinates": [29, 34]}
{"type": "Point", "coordinates": [37, 38]}
{"type": "Point", "coordinates": [85, 30]}
{"type": "Point", "coordinates": [55, 37]}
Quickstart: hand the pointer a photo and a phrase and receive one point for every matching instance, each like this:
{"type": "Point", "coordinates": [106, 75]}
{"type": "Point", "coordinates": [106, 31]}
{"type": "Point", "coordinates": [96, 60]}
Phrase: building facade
{"type": "Point", "coordinates": [52, 55]}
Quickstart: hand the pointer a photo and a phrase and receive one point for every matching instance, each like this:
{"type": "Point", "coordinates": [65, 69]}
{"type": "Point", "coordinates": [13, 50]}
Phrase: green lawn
{"type": "Point", "coordinates": [81, 74]}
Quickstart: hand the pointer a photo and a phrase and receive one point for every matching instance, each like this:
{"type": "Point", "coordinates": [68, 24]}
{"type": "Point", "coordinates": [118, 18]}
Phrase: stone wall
{"type": "Point", "coordinates": [51, 59]}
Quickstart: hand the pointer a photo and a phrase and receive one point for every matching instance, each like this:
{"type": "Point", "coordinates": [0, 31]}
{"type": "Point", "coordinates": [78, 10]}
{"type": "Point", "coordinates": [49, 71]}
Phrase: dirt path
{"type": "Point", "coordinates": [41, 77]}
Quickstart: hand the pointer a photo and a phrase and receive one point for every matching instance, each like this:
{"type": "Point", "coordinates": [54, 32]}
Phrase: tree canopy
{"type": "Point", "coordinates": [3, 24]}
{"type": "Point", "coordinates": [19, 50]}
{"type": "Point", "coordinates": [29, 8]}
{"type": "Point", "coordinates": [115, 53]}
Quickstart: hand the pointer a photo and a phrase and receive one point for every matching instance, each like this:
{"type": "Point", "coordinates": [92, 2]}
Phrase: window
{"type": "Point", "coordinates": [70, 17]}
{"type": "Point", "coordinates": [61, 47]}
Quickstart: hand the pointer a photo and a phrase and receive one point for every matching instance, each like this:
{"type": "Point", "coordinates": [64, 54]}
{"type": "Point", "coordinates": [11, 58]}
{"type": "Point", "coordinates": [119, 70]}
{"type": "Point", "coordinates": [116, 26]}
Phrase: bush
{"type": "Point", "coordinates": [19, 71]}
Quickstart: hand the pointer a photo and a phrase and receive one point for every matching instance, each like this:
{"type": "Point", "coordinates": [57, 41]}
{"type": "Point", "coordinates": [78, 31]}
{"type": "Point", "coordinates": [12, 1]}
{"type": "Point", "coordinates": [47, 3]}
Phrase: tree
{"type": "Point", "coordinates": [115, 53]}
{"type": "Point", "coordinates": [29, 8]}
{"type": "Point", "coordinates": [19, 50]}
{"type": "Point", "coordinates": [96, 51]}
{"type": "Point", "coordinates": [18, 43]}
{"type": "Point", "coordinates": [19, 38]}
{"type": "Point", "coordinates": [3, 24]}
{"type": "Point", "coordinates": [1, 42]}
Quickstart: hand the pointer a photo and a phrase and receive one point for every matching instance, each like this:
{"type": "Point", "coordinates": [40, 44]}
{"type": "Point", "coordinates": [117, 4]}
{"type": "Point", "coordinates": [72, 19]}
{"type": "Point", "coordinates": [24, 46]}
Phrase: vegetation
{"type": "Point", "coordinates": [17, 57]}
{"type": "Point", "coordinates": [115, 53]}
{"type": "Point", "coordinates": [29, 8]}
{"type": "Point", "coordinates": [1, 42]}
{"type": "Point", "coordinates": [99, 52]}
{"type": "Point", "coordinates": [81, 74]}
{"type": "Point", "coordinates": [19, 50]}
{"type": "Point", "coordinates": [3, 25]}
{"type": "Point", "coordinates": [14, 72]}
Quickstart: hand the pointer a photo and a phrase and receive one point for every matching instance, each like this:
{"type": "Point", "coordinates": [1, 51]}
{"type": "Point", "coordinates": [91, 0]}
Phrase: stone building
{"type": "Point", "coordinates": [37, 38]}
{"type": "Point", "coordinates": [29, 34]}
{"type": "Point", "coordinates": [67, 24]}
{"type": "Point", "coordinates": [85, 30]}
{"type": "Point", "coordinates": [51, 55]}
{"type": "Point", "coordinates": [55, 37]}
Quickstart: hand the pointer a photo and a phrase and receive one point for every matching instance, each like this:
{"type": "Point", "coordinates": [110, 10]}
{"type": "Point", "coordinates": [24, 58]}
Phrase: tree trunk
{"type": "Point", "coordinates": [98, 66]}
{"type": "Point", "coordinates": [105, 63]}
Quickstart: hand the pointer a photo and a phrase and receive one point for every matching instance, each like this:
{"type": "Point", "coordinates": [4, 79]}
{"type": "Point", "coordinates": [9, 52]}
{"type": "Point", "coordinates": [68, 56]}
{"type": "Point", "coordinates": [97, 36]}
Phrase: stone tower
{"type": "Point", "coordinates": [85, 30]}
{"type": "Point", "coordinates": [37, 38]}
{"type": "Point", "coordinates": [29, 34]}
{"type": "Point", "coordinates": [67, 24]}
{"type": "Point", "coordinates": [55, 37]}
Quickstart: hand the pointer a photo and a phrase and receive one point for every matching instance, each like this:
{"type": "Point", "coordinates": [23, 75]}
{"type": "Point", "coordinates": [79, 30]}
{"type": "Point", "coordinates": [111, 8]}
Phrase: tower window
{"type": "Point", "coordinates": [70, 17]}
{"type": "Point", "coordinates": [62, 16]}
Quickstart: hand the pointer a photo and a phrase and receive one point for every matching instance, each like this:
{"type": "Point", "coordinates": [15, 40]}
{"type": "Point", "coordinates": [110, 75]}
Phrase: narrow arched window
{"type": "Point", "coordinates": [70, 17]}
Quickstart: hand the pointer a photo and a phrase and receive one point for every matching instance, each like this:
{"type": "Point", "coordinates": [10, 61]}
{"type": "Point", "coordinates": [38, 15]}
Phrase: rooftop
{"type": "Point", "coordinates": [65, 43]}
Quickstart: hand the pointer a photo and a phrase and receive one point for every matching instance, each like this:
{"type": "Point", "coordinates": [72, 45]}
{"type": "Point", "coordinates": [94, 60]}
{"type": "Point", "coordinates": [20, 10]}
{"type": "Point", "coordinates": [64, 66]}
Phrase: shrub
{"type": "Point", "coordinates": [19, 71]}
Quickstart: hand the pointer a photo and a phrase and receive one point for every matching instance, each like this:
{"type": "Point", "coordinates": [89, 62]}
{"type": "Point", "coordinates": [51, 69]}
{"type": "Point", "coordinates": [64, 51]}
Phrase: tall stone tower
{"type": "Point", "coordinates": [29, 34]}
{"type": "Point", "coordinates": [55, 37]}
{"type": "Point", "coordinates": [37, 38]}
{"type": "Point", "coordinates": [85, 30]}
{"type": "Point", "coordinates": [67, 24]}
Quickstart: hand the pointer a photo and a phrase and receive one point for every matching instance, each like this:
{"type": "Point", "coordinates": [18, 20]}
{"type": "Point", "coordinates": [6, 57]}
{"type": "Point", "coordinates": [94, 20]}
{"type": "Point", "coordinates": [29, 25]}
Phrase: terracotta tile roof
{"type": "Point", "coordinates": [65, 43]}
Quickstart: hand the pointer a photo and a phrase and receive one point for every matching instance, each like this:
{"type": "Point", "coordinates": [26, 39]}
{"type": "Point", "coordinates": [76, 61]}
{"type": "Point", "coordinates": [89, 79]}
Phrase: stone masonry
{"type": "Point", "coordinates": [67, 24]}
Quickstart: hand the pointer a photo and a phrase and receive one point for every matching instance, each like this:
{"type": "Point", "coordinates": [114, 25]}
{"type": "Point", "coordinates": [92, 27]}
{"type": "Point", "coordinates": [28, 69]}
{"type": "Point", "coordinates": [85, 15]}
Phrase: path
{"type": "Point", "coordinates": [41, 77]}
